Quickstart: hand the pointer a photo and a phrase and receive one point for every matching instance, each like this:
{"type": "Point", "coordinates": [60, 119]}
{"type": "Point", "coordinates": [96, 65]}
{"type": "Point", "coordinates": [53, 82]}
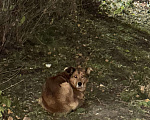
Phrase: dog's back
{"type": "Point", "coordinates": [51, 93]}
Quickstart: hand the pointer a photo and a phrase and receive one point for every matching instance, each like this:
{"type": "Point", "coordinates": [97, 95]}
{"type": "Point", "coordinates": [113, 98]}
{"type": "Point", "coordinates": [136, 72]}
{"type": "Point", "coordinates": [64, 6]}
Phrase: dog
{"type": "Point", "coordinates": [64, 92]}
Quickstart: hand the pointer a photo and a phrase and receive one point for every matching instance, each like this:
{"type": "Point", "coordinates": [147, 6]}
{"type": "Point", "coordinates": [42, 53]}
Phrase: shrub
{"type": "Point", "coordinates": [21, 20]}
{"type": "Point", "coordinates": [114, 7]}
{"type": "Point", "coordinates": [4, 103]}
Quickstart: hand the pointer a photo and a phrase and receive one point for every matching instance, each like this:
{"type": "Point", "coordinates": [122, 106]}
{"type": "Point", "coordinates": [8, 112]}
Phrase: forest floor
{"type": "Point", "coordinates": [118, 53]}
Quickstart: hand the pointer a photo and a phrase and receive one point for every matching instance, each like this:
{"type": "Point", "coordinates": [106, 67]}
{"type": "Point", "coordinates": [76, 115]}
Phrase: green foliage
{"type": "Point", "coordinates": [81, 110]}
{"type": "Point", "coordinates": [114, 7]}
{"type": "Point", "coordinates": [128, 95]}
{"type": "Point", "coordinates": [141, 104]}
{"type": "Point", "coordinates": [22, 20]}
{"type": "Point", "coordinates": [144, 103]}
{"type": "Point", "coordinates": [4, 103]}
{"type": "Point", "coordinates": [1, 111]}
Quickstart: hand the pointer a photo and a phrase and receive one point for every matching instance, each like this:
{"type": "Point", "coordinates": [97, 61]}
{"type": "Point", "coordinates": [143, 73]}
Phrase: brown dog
{"type": "Point", "coordinates": [65, 92]}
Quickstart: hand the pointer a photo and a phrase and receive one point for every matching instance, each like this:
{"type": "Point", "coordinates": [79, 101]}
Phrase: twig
{"type": "Point", "coordinates": [13, 85]}
{"type": "Point", "coordinates": [37, 22]}
{"type": "Point", "coordinates": [3, 39]}
{"type": "Point", "coordinates": [98, 99]}
{"type": "Point", "coordinates": [40, 40]}
{"type": "Point", "coordinates": [12, 76]}
{"type": "Point", "coordinates": [13, 69]}
{"type": "Point", "coordinates": [9, 71]}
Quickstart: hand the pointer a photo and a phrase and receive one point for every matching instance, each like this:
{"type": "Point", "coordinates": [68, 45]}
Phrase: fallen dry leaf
{"type": "Point", "coordinates": [103, 90]}
{"type": "Point", "coordinates": [101, 85]}
{"type": "Point", "coordinates": [26, 118]}
{"type": "Point", "coordinates": [39, 100]}
{"type": "Point", "coordinates": [4, 105]}
{"type": "Point", "coordinates": [147, 100]}
{"type": "Point", "coordinates": [137, 96]}
{"type": "Point", "coordinates": [17, 117]}
{"type": "Point", "coordinates": [142, 89]}
{"type": "Point", "coordinates": [10, 118]}
{"type": "Point", "coordinates": [49, 53]}
{"type": "Point", "coordinates": [13, 106]}
{"type": "Point", "coordinates": [80, 54]}
{"type": "Point", "coordinates": [9, 111]}
{"type": "Point", "coordinates": [89, 69]}
{"type": "Point", "coordinates": [106, 60]}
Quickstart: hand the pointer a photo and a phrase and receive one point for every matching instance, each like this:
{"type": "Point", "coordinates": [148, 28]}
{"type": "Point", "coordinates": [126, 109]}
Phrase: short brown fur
{"type": "Point", "coordinates": [64, 92]}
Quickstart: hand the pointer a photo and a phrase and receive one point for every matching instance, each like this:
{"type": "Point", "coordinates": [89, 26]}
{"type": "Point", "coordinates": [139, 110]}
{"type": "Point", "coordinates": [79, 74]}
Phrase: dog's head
{"type": "Point", "coordinates": [78, 77]}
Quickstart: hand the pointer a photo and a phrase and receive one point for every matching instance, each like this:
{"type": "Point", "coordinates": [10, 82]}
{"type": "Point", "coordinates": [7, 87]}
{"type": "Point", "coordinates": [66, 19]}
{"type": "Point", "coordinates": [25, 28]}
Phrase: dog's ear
{"type": "Point", "coordinates": [70, 70]}
{"type": "Point", "coordinates": [88, 70]}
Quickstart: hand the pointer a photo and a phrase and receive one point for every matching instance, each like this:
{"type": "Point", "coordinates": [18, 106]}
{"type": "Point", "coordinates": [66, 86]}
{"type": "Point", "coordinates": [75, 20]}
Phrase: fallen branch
{"type": "Point", "coordinates": [13, 85]}
{"type": "Point", "coordinates": [12, 76]}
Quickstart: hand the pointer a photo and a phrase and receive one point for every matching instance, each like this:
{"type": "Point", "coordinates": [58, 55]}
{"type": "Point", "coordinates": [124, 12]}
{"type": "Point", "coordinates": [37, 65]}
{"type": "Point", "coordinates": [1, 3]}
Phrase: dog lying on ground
{"type": "Point", "coordinates": [65, 91]}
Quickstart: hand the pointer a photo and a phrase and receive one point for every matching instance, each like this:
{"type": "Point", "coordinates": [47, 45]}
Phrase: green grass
{"type": "Point", "coordinates": [118, 53]}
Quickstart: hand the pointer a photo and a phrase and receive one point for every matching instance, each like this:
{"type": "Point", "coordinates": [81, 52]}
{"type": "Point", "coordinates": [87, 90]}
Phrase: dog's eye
{"type": "Point", "coordinates": [75, 76]}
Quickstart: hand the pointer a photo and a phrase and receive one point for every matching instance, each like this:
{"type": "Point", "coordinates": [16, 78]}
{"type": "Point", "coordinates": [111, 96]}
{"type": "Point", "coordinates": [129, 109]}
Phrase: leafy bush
{"type": "Point", "coordinates": [21, 20]}
{"type": "Point", "coordinates": [114, 7]}
{"type": "Point", "coordinates": [4, 103]}
{"type": "Point", "coordinates": [145, 103]}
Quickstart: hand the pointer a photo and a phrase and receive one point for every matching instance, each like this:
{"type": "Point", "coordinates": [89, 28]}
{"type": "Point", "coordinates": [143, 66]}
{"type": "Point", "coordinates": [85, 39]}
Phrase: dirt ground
{"type": "Point", "coordinates": [117, 52]}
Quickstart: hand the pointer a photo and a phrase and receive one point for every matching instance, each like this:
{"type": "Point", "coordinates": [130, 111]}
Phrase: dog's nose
{"type": "Point", "coordinates": [79, 84]}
